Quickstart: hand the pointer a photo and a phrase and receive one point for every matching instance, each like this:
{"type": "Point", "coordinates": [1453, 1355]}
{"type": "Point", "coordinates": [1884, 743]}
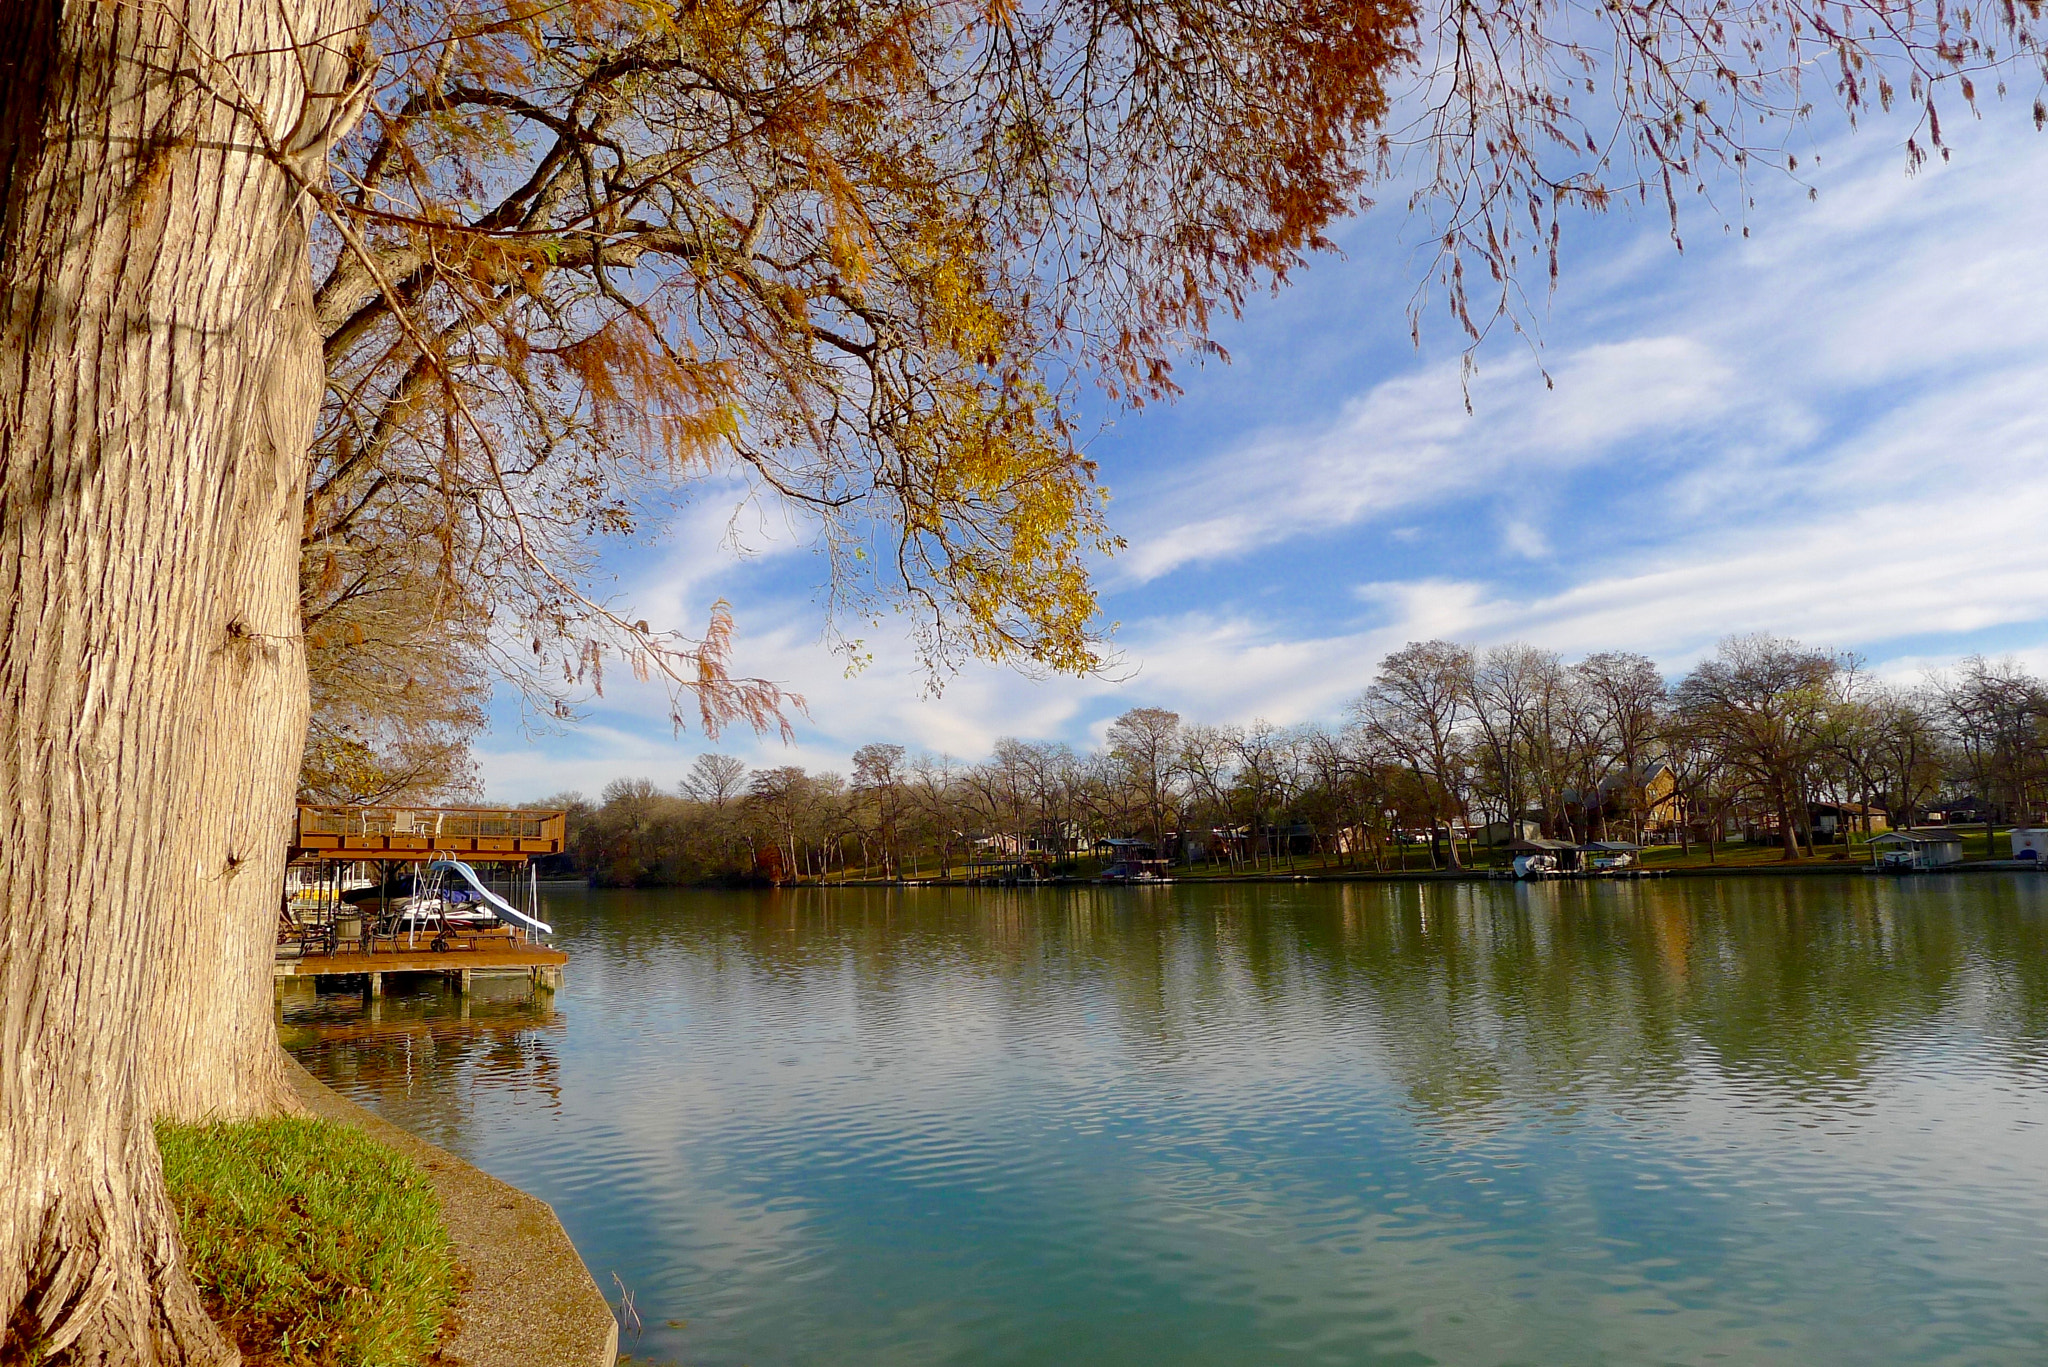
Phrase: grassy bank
{"type": "Point", "coordinates": [313, 1245]}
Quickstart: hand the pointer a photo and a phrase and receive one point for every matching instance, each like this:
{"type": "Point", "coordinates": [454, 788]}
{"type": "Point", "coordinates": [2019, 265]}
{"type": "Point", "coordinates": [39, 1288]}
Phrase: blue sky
{"type": "Point", "coordinates": [1836, 430]}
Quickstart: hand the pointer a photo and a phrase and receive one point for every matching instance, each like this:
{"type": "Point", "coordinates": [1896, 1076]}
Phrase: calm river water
{"type": "Point", "coordinates": [1751, 1121]}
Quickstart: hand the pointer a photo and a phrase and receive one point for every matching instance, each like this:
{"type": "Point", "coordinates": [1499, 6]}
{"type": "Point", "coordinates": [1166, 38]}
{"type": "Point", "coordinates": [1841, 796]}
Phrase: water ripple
{"type": "Point", "coordinates": [1766, 1121]}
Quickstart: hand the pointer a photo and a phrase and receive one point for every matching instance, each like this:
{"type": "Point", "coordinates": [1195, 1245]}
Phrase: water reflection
{"type": "Point", "coordinates": [425, 1052]}
{"type": "Point", "coordinates": [1781, 1120]}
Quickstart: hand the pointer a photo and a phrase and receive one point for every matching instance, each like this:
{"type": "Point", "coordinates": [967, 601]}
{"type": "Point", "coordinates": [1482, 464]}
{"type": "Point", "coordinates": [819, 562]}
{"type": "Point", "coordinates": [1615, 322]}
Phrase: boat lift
{"type": "Point", "coordinates": [372, 890]}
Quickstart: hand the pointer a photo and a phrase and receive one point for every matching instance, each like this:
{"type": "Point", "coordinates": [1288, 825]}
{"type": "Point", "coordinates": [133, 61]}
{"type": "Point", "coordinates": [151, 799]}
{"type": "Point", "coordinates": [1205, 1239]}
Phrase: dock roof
{"type": "Point", "coordinates": [488, 834]}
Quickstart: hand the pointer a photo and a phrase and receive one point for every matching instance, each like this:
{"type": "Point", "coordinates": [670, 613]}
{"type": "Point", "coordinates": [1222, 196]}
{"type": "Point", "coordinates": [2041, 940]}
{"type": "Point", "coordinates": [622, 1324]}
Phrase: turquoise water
{"type": "Point", "coordinates": [1749, 1121]}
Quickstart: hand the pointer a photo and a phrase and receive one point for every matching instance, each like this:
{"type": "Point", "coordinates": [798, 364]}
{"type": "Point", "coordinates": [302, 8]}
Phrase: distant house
{"type": "Point", "coordinates": [1918, 849]}
{"type": "Point", "coordinates": [1650, 799]}
{"type": "Point", "coordinates": [1350, 840]}
{"type": "Point", "coordinates": [1271, 841]}
{"type": "Point", "coordinates": [1230, 842]}
{"type": "Point", "coordinates": [2030, 842]}
{"type": "Point", "coordinates": [1831, 819]}
{"type": "Point", "coordinates": [1054, 842]}
{"type": "Point", "coordinates": [1967, 810]}
{"type": "Point", "coordinates": [1828, 822]}
{"type": "Point", "coordinates": [1497, 833]}
{"type": "Point", "coordinates": [1662, 808]}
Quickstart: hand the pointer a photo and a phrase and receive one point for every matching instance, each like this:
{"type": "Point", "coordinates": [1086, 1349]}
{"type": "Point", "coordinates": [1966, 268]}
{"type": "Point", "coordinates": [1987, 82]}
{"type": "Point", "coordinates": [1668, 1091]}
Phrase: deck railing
{"type": "Point", "coordinates": [463, 829]}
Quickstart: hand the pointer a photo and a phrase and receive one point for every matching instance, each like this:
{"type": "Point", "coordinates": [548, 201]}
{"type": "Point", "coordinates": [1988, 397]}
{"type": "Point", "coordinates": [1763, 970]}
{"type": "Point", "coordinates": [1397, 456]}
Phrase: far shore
{"type": "Point", "coordinates": [1807, 868]}
{"type": "Point", "coordinates": [1741, 861]}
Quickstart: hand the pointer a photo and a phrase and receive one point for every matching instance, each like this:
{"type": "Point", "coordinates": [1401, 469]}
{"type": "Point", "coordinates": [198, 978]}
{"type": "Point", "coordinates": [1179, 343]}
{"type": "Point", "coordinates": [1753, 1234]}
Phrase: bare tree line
{"type": "Point", "coordinates": [1448, 748]}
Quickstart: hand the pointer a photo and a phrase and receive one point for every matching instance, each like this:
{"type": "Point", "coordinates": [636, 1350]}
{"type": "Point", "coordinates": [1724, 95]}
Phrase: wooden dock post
{"type": "Point", "coordinates": [465, 982]}
{"type": "Point", "coordinates": [376, 984]}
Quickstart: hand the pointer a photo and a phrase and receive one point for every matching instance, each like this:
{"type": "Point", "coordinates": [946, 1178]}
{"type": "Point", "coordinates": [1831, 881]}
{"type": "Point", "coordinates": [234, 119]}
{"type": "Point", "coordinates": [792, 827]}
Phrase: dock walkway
{"type": "Point", "coordinates": [543, 966]}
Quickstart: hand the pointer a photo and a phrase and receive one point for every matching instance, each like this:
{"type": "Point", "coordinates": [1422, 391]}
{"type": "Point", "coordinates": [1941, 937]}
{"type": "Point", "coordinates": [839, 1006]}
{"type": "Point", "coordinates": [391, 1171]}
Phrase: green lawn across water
{"type": "Point", "coordinates": [313, 1245]}
{"type": "Point", "coordinates": [1415, 858]}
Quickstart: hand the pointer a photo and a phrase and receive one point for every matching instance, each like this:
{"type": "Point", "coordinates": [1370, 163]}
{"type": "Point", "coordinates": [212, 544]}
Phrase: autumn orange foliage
{"type": "Point", "coordinates": [868, 254]}
{"type": "Point", "coordinates": [872, 256]}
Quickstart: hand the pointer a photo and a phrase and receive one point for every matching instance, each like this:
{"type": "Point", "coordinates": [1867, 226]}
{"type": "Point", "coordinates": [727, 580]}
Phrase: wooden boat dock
{"type": "Point", "coordinates": [322, 935]}
{"type": "Point", "coordinates": [537, 963]}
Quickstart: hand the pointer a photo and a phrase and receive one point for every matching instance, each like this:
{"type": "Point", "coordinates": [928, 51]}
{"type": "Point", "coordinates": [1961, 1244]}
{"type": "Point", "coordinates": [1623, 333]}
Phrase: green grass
{"type": "Point", "coordinates": [1856, 851]}
{"type": "Point", "coordinates": [313, 1245]}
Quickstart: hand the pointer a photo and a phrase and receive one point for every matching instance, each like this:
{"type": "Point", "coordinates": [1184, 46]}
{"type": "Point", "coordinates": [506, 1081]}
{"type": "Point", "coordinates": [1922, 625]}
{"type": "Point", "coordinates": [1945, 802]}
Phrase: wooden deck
{"type": "Point", "coordinates": [541, 964]}
{"type": "Point", "coordinates": [477, 834]}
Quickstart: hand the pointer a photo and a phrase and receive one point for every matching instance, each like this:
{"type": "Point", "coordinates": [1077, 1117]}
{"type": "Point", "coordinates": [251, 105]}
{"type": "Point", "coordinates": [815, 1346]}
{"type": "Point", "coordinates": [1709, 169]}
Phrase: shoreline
{"type": "Point", "coordinates": [1844, 869]}
{"type": "Point", "coordinates": [529, 1300]}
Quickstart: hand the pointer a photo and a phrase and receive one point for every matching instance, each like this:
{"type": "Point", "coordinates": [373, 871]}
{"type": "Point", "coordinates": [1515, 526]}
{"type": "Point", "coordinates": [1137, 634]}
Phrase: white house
{"type": "Point", "coordinates": [2030, 843]}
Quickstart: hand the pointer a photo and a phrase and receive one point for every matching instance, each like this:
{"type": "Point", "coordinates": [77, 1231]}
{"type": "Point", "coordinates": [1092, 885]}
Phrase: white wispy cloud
{"type": "Point", "coordinates": [1747, 354]}
{"type": "Point", "coordinates": [1408, 443]}
{"type": "Point", "coordinates": [1836, 430]}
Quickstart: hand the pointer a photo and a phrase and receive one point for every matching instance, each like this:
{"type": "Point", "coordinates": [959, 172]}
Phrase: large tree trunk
{"type": "Point", "coordinates": [214, 1050]}
{"type": "Point", "coordinates": [1787, 834]}
{"type": "Point", "coordinates": [152, 399]}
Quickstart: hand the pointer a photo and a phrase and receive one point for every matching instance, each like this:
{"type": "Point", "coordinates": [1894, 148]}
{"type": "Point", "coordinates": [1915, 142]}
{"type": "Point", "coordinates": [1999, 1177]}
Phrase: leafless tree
{"type": "Point", "coordinates": [1144, 745]}
{"type": "Point", "coordinates": [1764, 703]}
{"type": "Point", "coordinates": [1506, 686]}
{"type": "Point", "coordinates": [1417, 706]}
{"type": "Point", "coordinates": [1627, 693]}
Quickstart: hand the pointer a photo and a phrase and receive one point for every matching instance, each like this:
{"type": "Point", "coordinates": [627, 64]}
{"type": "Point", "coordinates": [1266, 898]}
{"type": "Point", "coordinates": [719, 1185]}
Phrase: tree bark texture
{"type": "Point", "coordinates": [213, 1042]}
{"type": "Point", "coordinates": [156, 396]}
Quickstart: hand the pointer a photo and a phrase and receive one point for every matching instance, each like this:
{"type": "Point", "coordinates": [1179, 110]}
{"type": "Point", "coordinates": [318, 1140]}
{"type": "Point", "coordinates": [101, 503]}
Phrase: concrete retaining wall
{"type": "Point", "coordinates": [530, 1301]}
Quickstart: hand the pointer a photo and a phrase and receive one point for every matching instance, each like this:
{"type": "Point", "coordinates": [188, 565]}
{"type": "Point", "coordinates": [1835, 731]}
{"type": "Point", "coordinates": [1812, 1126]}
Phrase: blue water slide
{"type": "Point", "coordinates": [504, 909]}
